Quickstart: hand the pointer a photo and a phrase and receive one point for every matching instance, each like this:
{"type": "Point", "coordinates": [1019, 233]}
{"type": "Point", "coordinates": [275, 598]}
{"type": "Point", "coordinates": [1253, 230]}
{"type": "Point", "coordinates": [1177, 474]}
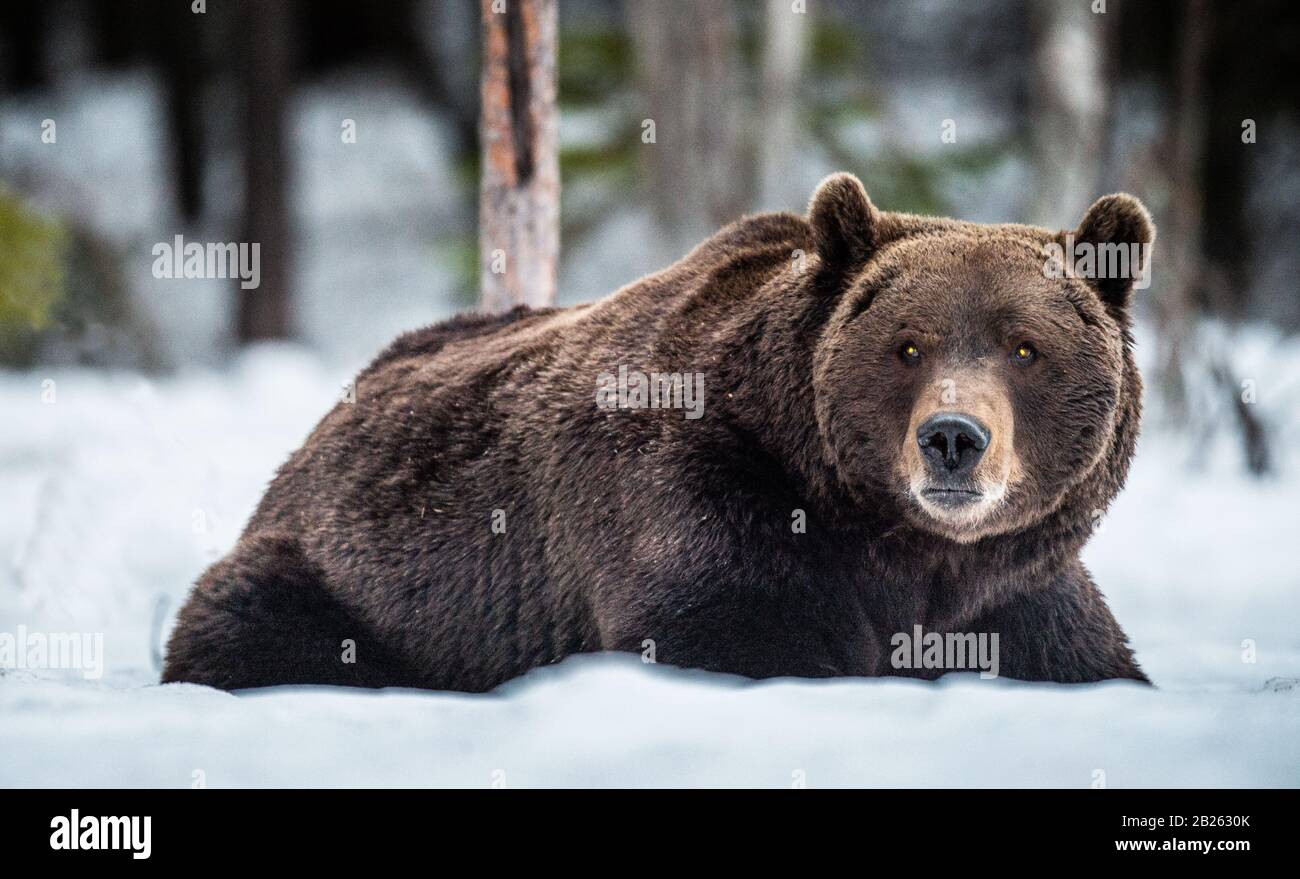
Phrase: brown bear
{"type": "Point", "coordinates": [785, 454]}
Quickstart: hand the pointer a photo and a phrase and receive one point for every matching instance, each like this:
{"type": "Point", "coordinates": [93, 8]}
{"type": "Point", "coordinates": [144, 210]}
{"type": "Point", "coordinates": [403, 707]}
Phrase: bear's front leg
{"type": "Point", "coordinates": [1063, 632]}
{"type": "Point", "coordinates": [738, 629]}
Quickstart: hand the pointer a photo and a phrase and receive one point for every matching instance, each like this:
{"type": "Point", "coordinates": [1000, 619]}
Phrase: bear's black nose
{"type": "Point", "coordinates": [952, 443]}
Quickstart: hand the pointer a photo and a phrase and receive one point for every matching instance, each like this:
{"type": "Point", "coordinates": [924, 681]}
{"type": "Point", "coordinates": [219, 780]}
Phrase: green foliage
{"type": "Point", "coordinates": [598, 73]}
{"type": "Point", "coordinates": [593, 63]}
{"type": "Point", "coordinates": [460, 252]}
{"type": "Point", "coordinates": [897, 179]}
{"type": "Point", "coordinates": [596, 66]}
{"type": "Point", "coordinates": [618, 155]}
{"type": "Point", "coordinates": [32, 282]}
{"type": "Point", "coordinates": [31, 267]}
{"type": "Point", "coordinates": [833, 48]}
{"type": "Point", "coordinates": [905, 182]}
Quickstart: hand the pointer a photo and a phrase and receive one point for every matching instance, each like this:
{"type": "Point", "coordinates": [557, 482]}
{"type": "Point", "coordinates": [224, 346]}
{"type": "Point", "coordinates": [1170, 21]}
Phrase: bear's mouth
{"type": "Point", "coordinates": [952, 498]}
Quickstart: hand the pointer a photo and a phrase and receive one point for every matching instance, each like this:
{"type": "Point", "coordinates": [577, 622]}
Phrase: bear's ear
{"type": "Point", "coordinates": [844, 222]}
{"type": "Point", "coordinates": [1118, 219]}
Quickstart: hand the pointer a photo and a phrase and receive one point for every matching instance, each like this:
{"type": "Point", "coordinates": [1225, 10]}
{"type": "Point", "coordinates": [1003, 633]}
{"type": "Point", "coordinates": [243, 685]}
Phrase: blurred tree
{"type": "Point", "coordinates": [519, 207]}
{"type": "Point", "coordinates": [785, 46]}
{"type": "Point", "coordinates": [1182, 155]}
{"type": "Point", "coordinates": [23, 63]}
{"type": "Point", "coordinates": [184, 71]}
{"type": "Point", "coordinates": [1068, 99]}
{"type": "Point", "coordinates": [264, 312]}
{"type": "Point", "coordinates": [1189, 279]}
{"type": "Point", "coordinates": [687, 60]}
{"type": "Point", "coordinates": [439, 48]}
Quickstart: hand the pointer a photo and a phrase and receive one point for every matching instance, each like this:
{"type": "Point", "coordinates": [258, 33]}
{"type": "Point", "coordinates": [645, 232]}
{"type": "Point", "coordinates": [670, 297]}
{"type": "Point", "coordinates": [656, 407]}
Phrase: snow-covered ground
{"type": "Point", "coordinates": [119, 489]}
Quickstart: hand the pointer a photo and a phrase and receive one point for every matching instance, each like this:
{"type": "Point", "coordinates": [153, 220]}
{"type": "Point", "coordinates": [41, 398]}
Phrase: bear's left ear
{"type": "Point", "coordinates": [1118, 219]}
{"type": "Point", "coordinates": [845, 223]}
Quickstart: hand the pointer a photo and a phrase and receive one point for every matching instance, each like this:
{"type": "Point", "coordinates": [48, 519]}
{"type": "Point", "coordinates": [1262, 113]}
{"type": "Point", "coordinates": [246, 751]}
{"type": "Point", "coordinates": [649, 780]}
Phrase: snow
{"type": "Point", "coordinates": [122, 489]}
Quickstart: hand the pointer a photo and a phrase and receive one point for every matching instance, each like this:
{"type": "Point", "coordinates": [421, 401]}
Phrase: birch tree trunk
{"type": "Point", "coordinates": [519, 198]}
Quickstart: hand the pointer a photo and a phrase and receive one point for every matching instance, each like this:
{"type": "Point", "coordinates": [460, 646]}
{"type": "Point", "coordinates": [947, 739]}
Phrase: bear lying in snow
{"type": "Point", "coordinates": [899, 422]}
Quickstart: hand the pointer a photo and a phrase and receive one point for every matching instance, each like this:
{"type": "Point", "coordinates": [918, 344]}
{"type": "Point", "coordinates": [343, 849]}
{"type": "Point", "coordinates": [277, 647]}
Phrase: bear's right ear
{"type": "Point", "coordinates": [845, 223]}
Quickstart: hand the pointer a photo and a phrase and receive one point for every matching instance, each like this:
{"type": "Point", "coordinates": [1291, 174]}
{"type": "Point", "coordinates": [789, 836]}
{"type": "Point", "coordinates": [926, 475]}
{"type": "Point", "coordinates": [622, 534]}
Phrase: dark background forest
{"type": "Point", "coordinates": [221, 121]}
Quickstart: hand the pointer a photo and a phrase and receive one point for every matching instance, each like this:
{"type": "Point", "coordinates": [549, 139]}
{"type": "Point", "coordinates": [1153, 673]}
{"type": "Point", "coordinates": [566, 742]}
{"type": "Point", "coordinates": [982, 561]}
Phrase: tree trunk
{"type": "Point", "coordinates": [1069, 108]}
{"type": "Point", "coordinates": [686, 63]}
{"type": "Point", "coordinates": [183, 66]}
{"type": "Point", "coordinates": [784, 47]}
{"type": "Point", "coordinates": [264, 311]}
{"type": "Point", "coordinates": [1183, 153]}
{"type": "Point", "coordinates": [519, 199]}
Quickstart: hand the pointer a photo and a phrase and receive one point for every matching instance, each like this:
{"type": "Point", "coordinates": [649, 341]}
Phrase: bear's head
{"type": "Point", "coordinates": [977, 376]}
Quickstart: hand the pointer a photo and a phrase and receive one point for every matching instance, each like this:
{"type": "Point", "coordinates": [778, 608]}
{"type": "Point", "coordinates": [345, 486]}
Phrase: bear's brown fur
{"type": "Point", "coordinates": [476, 513]}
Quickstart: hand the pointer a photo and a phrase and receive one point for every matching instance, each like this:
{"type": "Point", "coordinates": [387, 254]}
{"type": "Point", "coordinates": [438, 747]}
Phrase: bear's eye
{"type": "Point", "coordinates": [1024, 353]}
{"type": "Point", "coordinates": [909, 352]}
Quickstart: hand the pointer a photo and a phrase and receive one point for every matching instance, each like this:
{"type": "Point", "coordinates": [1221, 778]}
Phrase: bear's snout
{"type": "Point", "coordinates": [952, 443]}
{"type": "Point", "coordinates": [958, 457]}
